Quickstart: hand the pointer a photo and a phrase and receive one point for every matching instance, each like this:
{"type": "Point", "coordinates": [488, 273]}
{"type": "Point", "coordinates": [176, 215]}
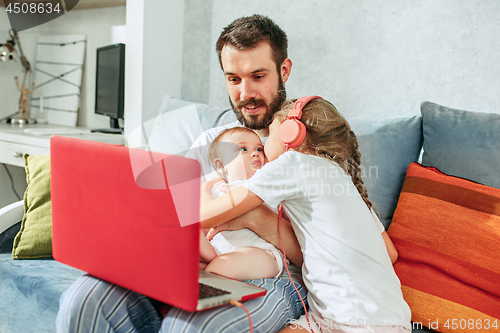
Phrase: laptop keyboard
{"type": "Point", "coordinates": [207, 291]}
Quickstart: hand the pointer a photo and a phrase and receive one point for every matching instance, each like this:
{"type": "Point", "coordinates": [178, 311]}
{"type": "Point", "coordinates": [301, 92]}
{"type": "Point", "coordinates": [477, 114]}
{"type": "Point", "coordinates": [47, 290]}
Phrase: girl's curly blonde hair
{"type": "Point", "coordinates": [329, 136]}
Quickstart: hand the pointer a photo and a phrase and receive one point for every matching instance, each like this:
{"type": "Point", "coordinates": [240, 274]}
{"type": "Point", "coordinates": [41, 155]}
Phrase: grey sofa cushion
{"type": "Point", "coordinates": [462, 143]}
{"type": "Point", "coordinates": [387, 147]}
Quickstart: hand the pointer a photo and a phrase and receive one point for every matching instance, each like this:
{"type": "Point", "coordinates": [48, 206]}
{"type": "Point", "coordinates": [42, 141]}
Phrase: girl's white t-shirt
{"type": "Point", "coordinates": [346, 269]}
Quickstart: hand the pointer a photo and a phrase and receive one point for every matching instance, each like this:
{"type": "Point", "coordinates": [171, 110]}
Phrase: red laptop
{"type": "Point", "coordinates": [130, 217]}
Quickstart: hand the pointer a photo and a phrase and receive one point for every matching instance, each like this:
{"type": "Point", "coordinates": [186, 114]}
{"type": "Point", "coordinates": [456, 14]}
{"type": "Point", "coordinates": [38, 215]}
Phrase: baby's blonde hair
{"type": "Point", "coordinates": [329, 136]}
{"type": "Point", "coordinates": [214, 148]}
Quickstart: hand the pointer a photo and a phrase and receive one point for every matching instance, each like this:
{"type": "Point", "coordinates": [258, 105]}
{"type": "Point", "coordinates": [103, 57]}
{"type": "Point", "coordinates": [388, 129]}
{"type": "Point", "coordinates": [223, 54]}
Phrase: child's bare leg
{"type": "Point", "coordinates": [207, 251]}
{"type": "Point", "coordinates": [244, 264]}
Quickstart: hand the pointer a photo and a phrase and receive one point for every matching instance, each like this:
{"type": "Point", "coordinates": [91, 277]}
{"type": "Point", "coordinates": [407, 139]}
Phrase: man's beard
{"type": "Point", "coordinates": [253, 121]}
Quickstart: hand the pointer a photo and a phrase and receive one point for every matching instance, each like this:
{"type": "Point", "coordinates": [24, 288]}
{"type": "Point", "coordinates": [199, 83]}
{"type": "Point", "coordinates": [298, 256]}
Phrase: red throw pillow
{"type": "Point", "coordinates": [447, 232]}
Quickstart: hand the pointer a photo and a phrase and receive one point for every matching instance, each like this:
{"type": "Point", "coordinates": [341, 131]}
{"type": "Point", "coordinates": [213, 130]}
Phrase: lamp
{"type": "Point", "coordinates": [8, 52]}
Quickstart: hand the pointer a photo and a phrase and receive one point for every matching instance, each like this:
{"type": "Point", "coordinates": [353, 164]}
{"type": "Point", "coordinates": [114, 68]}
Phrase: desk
{"type": "Point", "coordinates": [15, 142]}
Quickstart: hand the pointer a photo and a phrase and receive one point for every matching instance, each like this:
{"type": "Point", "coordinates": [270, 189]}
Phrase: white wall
{"type": "Point", "coordinates": [198, 49]}
{"type": "Point", "coordinates": [153, 59]}
{"type": "Point", "coordinates": [9, 98]}
{"type": "Point", "coordinates": [96, 25]}
{"type": "Point", "coordinates": [372, 58]}
{"type": "Point", "coordinates": [7, 195]}
{"type": "Point", "coordinates": [9, 95]}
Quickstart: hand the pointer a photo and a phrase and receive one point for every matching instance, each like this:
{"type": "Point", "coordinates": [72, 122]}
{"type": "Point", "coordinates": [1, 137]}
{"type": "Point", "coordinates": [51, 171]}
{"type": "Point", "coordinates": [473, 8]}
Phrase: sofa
{"type": "Point", "coordinates": [461, 145]}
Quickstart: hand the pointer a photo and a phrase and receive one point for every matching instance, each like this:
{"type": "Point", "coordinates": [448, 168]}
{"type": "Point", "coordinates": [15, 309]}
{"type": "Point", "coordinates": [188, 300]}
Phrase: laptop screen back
{"type": "Point", "coordinates": [115, 216]}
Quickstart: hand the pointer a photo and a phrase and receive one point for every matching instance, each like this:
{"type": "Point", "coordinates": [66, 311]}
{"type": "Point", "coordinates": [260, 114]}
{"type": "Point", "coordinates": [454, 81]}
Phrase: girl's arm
{"type": "Point", "coordinates": [391, 249]}
{"type": "Point", "coordinates": [215, 211]}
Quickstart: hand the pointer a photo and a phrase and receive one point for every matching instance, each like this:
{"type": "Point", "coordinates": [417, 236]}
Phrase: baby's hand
{"type": "Point", "coordinates": [203, 265]}
{"type": "Point", "coordinates": [207, 252]}
{"type": "Point", "coordinates": [207, 186]}
{"type": "Point", "coordinates": [211, 233]}
{"type": "Point", "coordinates": [224, 188]}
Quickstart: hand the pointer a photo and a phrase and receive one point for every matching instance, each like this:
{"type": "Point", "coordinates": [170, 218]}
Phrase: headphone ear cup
{"type": "Point", "coordinates": [292, 132]}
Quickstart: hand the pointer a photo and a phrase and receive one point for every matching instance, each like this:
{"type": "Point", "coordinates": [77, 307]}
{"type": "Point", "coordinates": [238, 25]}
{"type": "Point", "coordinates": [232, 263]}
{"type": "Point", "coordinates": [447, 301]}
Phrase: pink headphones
{"type": "Point", "coordinates": [292, 131]}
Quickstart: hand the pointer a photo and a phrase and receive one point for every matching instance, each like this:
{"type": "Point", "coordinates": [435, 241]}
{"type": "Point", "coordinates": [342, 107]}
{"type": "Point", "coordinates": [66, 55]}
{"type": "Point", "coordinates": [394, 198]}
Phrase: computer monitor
{"type": "Point", "coordinates": [110, 85]}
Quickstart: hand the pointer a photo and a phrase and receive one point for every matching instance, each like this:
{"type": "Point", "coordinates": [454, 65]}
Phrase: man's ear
{"type": "Point", "coordinates": [286, 68]}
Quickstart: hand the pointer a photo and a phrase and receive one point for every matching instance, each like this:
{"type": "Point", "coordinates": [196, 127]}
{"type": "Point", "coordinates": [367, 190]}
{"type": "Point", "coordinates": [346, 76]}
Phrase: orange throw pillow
{"type": "Point", "coordinates": [447, 232]}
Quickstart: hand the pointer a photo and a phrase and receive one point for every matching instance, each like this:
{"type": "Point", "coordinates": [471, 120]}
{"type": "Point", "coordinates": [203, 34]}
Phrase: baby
{"type": "Point", "coordinates": [241, 254]}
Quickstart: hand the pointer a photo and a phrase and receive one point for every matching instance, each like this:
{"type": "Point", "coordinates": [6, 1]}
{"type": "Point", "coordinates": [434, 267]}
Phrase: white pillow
{"type": "Point", "coordinates": [178, 125]}
{"type": "Point", "coordinates": [174, 131]}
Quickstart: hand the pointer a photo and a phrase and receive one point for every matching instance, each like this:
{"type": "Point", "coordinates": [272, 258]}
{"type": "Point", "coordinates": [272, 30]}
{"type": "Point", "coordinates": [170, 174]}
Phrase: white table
{"type": "Point", "coordinates": [15, 142]}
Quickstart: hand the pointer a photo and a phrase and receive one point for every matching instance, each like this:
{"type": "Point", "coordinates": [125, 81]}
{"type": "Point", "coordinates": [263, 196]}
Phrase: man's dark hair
{"type": "Point", "coordinates": [248, 32]}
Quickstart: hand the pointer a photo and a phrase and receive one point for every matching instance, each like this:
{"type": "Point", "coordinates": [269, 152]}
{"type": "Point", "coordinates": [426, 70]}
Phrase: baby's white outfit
{"type": "Point", "coordinates": [228, 241]}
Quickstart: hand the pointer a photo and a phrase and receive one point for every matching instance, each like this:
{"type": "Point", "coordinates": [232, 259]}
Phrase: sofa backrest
{"type": "Point", "coordinates": [462, 143]}
{"type": "Point", "coordinates": [387, 146]}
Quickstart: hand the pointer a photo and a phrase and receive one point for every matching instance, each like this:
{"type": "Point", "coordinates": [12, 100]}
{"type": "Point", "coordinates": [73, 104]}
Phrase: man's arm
{"type": "Point", "coordinates": [264, 222]}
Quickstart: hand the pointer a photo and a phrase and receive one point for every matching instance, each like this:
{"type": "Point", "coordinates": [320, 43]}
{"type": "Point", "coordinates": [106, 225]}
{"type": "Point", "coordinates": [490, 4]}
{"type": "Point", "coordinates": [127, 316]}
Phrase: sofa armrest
{"type": "Point", "coordinates": [10, 215]}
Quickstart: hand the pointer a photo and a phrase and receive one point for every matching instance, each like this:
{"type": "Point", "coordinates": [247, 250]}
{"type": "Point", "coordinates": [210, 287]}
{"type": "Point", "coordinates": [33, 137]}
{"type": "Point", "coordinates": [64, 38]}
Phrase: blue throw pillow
{"type": "Point", "coordinates": [387, 147]}
{"type": "Point", "coordinates": [462, 143]}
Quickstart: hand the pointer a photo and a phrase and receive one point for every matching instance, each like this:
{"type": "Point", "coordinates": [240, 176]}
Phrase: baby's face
{"type": "Point", "coordinates": [249, 159]}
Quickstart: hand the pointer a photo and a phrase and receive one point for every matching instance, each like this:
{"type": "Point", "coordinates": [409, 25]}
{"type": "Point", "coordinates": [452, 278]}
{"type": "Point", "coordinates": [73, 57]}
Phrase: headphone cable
{"type": "Point", "coordinates": [238, 304]}
{"type": "Point", "coordinates": [280, 213]}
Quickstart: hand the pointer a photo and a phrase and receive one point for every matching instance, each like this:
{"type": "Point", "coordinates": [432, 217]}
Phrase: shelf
{"type": "Point", "coordinates": [87, 4]}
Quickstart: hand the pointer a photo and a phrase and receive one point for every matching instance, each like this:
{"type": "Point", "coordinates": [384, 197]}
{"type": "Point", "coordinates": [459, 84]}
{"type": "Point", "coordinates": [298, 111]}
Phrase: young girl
{"type": "Point", "coordinates": [236, 154]}
{"type": "Point", "coordinates": [347, 270]}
